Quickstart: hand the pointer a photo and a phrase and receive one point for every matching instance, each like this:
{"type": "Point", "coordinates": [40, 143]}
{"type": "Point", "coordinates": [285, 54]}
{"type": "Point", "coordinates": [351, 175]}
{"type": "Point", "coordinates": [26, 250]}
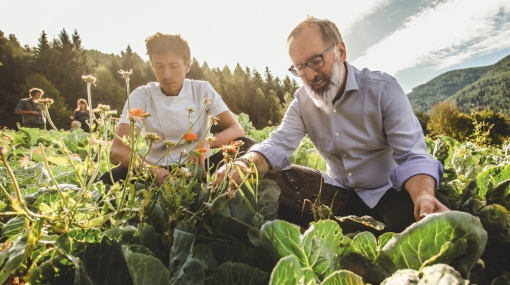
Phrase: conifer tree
{"type": "Point", "coordinates": [195, 72]}
{"type": "Point", "coordinates": [45, 57]}
{"type": "Point", "coordinates": [13, 71]}
{"type": "Point", "coordinates": [71, 66]}
{"type": "Point", "coordinates": [131, 61]}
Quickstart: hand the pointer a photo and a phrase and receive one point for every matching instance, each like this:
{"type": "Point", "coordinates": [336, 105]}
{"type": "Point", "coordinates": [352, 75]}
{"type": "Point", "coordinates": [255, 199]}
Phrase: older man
{"type": "Point", "coordinates": [32, 115]}
{"type": "Point", "coordinates": [362, 124]}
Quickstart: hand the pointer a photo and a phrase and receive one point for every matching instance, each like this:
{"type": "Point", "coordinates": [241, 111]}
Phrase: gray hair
{"type": "Point", "coordinates": [328, 29]}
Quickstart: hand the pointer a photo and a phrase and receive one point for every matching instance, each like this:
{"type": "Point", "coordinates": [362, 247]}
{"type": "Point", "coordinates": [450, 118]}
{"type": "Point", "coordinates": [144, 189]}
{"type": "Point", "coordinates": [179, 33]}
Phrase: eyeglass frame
{"type": "Point", "coordinates": [307, 63]}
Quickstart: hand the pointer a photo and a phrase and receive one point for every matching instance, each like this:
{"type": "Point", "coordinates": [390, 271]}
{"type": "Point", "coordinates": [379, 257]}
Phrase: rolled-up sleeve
{"type": "Point", "coordinates": [284, 140]}
{"type": "Point", "coordinates": [405, 136]}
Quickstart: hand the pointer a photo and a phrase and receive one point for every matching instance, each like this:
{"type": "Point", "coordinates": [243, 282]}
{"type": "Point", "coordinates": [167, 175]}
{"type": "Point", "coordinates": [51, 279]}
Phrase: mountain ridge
{"type": "Point", "coordinates": [472, 89]}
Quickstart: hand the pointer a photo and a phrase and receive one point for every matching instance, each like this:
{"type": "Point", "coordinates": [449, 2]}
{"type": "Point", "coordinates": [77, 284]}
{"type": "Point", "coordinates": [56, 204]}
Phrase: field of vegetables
{"type": "Point", "coordinates": [60, 226]}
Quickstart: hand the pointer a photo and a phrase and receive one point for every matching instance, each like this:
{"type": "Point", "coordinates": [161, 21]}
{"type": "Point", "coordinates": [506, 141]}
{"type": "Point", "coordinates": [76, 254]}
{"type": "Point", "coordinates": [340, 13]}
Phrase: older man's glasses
{"type": "Point", "coordinates": [317, 62]}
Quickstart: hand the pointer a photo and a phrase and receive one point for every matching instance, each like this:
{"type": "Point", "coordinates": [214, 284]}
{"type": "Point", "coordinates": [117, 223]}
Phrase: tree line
{"type": "Point", "coordinates": [484, 128]}
{"type": "Point", "coordinates": [56, 66]}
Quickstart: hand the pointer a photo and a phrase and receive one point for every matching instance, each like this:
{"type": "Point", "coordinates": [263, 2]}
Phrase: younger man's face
{"type": "Point", "coordinates": [170, 70]}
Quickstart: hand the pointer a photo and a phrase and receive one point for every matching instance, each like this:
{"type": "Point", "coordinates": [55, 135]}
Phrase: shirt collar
{"type": "Point", "coordinates": [350, 83]}
{"type": "Point", "coordinates": [186, 88]}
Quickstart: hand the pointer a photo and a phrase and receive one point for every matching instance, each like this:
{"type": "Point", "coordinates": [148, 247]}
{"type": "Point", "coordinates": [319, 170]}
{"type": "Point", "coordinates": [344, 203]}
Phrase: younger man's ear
{"type": "Point", "coordinates": [189, 66]}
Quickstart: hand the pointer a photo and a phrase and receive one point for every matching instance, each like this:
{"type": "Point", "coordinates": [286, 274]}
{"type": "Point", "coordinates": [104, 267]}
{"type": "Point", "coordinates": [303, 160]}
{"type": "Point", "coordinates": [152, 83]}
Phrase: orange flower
{"type": "Point", "coordinates": [136, 114]}
{"type": "Point", "coordinates": [230, 150]}
{"type": "Point", "coordinates": [200, 151]}
{"type": "Point", "coordinates": [189, 137]}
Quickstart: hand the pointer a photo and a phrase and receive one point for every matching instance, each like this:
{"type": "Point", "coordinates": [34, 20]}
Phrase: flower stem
{"type": "Point", "coordinates": [50, 173]}
{"type": "Point", "coordinates": [29, 214]}
{"type": "Point", "coordinates": [92, 120]}
{"type": "Point", "coordinates": [64, 147]}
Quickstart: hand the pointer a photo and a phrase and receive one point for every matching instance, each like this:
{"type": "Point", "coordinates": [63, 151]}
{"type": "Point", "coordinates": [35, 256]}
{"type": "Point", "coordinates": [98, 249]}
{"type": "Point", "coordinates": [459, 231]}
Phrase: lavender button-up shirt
{"type": "Point", "coordinates": [371, 141]}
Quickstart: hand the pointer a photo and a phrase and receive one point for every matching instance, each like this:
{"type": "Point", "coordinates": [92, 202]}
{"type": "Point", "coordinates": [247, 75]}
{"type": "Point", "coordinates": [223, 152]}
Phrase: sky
{"type": "Point", "coordinates": [413, 40]}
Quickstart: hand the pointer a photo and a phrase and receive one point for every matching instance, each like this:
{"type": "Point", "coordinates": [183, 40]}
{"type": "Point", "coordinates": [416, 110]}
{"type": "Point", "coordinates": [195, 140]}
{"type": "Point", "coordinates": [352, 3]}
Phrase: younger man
{"type": "Point", "coordinates": [175, 104]}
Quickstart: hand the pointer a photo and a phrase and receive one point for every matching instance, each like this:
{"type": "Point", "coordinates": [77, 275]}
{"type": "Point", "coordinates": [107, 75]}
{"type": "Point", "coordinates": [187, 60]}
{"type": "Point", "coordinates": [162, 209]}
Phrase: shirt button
{"type": "Point", "coordinates": [349, 174]}
{"type": "Point", "coordinates": [334, 110]}
{"type": "Point", "coordinates": [337, 134]}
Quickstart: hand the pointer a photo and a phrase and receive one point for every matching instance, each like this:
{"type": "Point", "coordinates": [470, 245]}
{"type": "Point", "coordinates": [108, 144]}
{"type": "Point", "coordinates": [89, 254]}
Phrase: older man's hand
{"type": "Point", "coordinates": [427, 204]}
{"type": "Point", "coordinates": [233, 178]}
{"type": "Point", "coordinates": [160, 175]}
{"type": "Point", "coordinates": [421, 189]}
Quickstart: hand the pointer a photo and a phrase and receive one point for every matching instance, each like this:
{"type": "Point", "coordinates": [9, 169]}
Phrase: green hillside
{"type": "Point", "coordinates": [475, 88]}
{"type": "Point", "coordinates": [491, 90]}
{"type": "Point", "coordinates": [424, 96]}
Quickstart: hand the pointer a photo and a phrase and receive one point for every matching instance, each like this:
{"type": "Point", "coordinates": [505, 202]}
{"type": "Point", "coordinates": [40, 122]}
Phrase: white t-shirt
{"type": "Point", "coordinates": [170, 116]}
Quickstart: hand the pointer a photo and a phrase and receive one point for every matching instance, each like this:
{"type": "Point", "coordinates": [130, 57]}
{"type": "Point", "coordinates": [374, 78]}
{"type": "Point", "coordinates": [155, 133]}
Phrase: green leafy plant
{"type": "Point", "coordinates": [454, 238]}
{"type": "Point", "coordinates": [60, 226]}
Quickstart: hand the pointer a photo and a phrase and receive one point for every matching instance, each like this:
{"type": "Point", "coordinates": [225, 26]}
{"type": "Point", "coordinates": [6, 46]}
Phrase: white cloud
{"type": "Point", "coordinates": [498, 41]}
{"type": "Point", "coordinates": [355, 12]}
{"type": "Point", "coordinates": [222, 32]}
{"type": "Point", "coordinates": [257, 37]}
{"type": "Point", "coordinates": [441, 36]}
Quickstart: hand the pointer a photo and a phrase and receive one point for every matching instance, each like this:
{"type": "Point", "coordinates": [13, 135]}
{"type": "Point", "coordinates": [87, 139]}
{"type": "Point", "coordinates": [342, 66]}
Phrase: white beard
{"type": "Point", "coordinates": [323, 100]}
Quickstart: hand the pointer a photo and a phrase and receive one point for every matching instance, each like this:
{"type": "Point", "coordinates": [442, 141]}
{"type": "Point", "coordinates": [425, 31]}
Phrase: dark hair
{"type": "Point", "coordinates": [81, 101]}
{"type": "Point", "coordinates": [160, 43]}
{"type": "Point", "coordinates": [328, 29]}
{"type": "Point", "coordinates": [34, 91]}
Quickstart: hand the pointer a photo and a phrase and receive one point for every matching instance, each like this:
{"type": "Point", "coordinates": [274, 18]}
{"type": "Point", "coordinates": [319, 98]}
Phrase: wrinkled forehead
{"type": "Point", "coordinates": [305, 44]}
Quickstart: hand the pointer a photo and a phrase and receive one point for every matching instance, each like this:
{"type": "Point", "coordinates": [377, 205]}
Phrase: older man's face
{"type": "Point", "coordinates": [307, 44]}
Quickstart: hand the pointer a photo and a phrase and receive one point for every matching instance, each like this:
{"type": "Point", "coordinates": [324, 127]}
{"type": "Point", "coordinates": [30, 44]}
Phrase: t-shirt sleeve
{"type": "Point", "coordinates": [137, 100]}
{"type": "Point", "coordinates": [217, 106]}
{"type": "Point", "coordinates": [19, 106]}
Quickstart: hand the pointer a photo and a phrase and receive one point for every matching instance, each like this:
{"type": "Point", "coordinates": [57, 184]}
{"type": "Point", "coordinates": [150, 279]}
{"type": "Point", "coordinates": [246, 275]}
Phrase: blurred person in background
{"type": "Point", "coordinates": [82, 114]}
{"type": "Point", "coordinates": [32, 115]}
{"type": "Point", "coordinates": [75, 125]}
